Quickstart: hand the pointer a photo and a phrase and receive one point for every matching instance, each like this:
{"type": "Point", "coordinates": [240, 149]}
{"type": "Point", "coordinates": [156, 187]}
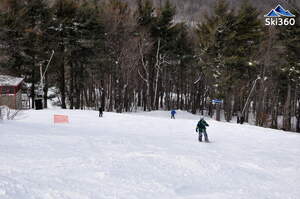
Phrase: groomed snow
{"type": "Point", "coordinates": [144, 156]}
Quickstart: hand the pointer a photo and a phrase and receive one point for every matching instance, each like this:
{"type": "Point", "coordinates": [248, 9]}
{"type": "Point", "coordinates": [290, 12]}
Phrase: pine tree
{"type": "Point", "coordinates": [12, 28]}
{"type": "Point", "coordinates": [83, 56]}
{"type": "Point", "coordinates": [227, 43]}
{"type": "Point", "coordinates": [62, 28]}
{"type": "Point", "coordinates": [26, 23]}
{"type": "Point", "coordinates": [246, 43]}
{"type": "Point", "coordinates": [290, 72]}
{"type": "Point", "coordinates": [144, 13]}
{"type": "Point", "coordinates": [215, 47]}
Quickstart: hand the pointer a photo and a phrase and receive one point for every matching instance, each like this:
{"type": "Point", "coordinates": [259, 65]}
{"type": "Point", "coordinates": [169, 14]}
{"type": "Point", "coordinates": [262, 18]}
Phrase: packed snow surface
{"type": "Point", "coordinates": [144, 156]}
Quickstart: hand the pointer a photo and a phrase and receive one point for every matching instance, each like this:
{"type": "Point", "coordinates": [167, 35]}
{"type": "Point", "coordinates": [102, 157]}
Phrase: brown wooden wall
{"type": "Point", "coordinates": [12, 101]}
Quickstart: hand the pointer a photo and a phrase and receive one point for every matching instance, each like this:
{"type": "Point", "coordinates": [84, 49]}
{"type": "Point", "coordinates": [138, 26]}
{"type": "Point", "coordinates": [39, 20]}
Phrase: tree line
{"type": "Point", "coordinates": [125, 58]}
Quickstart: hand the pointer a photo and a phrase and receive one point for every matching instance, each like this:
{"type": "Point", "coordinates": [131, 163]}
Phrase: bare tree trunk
{"type": "Point", "coordinates": [260, 105]}
{"type": "Point", "coordinates": [298, 116]}
{"type": "Point", "coordinates": [194, 98]}
{"type": "Point", "coordinates": [228, 106]}
{"type": "Point", "coordinates": [210, 110]}
{"type": "Point", "coordinates": [110, 95]}
{"type": "Point", "coordinates": [45, 89]}
{"type": "Point", "coordinates": [161, 99]}
{"type": "Point", "coordinates": [71, 95]}
{"type": "Point", "coordinates": [218, 112]}
{"type": "Point", "coordinates": [103, 92]}
{"type": "Point", "coordinates": [146, 79]}
{"type": "Point", "coordinates": [148, 97]}
{"type": "Point", "coordinates": [274, 112]}
{"type": "Point", "coordinates": [160, 60]}
{"type": "Point", "coordinates": [77, 91]}
{"type": "Point", "coordinates": [32, 93]}
{"type": "Point", "coordinates": [155, 89]}
{"type": "Point", "coordinates": [85, 95]}
{"type": "Point", "coordinates": [62, 81]}
{"type": "Point", "coordinates": [287, 111]}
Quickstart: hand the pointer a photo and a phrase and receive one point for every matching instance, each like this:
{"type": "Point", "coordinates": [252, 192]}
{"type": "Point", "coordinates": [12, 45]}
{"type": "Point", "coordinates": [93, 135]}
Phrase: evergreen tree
{"type": "Point", "coordinates": [228, 42]}
{"type": "Point", "coordinates": [144, 12]}
{"type": "Point", "coordinates": [12, 28]}
{"type": "Point", "coordinates": [83, 57]}
{"type": "Point", "coordinates": [290, 73]}
{"type": "Point", "coordinates": [24, 27]}
{"type": "Point", "coordinates": [245, 45]}
{"type": "Point", "coordinates": [215, 49]}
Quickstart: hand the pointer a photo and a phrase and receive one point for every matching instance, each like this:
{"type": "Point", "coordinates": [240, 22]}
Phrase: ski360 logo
{"type": "Point", "coordinates": [279, 17]}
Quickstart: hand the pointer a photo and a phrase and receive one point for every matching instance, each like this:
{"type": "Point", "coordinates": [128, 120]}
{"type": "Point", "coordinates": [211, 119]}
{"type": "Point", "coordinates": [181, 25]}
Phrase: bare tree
{"type": "Point", "coordinates": [160, 61]}
{"type": "Point", "coordinates": [145, 45]}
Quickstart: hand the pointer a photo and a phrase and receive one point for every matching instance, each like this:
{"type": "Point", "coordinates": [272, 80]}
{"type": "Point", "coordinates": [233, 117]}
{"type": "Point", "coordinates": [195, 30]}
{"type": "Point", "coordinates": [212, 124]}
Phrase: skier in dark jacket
{"type": "Point", "coordinates": [242, 120]}
{"type": "Point", "coordinates": [100, 112]}
{"type": "Point", "coordinates": [201, 128]}
{"type": "Point", "coordinates": [173, 112]}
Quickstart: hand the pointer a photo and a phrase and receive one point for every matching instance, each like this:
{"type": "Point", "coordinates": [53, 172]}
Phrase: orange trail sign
{"type": "Point", "coordinates": [61, 119]}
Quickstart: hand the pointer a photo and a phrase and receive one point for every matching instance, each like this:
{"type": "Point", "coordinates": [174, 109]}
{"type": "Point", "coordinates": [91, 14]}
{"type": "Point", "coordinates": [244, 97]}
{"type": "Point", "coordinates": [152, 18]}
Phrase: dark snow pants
{"type": "Point", "coordinates": [205, 135]}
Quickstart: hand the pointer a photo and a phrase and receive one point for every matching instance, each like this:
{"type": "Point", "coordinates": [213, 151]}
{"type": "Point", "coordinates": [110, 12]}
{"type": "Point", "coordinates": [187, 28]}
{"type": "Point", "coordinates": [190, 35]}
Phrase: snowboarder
{"type": "Point", "coordinates": [201, 128]}
{"type": "Point", "coordinates": [100, 112]}
{"type": "Point", "coordinates": [173, 112]}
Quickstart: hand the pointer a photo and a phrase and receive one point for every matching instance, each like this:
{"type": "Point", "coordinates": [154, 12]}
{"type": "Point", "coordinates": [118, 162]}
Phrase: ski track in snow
{"type": "Point", "coordinates": [144, 156]}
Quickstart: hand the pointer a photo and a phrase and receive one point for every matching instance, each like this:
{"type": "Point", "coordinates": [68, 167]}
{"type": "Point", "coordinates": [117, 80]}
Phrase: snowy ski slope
{"type": "Point", "coordinates": [144, 156]}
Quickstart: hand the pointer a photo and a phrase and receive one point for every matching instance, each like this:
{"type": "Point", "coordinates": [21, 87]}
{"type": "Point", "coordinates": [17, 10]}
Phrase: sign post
{"type": "Point", "coordinates": [218, 103]}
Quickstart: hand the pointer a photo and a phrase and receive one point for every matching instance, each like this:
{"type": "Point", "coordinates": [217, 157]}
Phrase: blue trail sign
{"type": "Point", "coordinates": [217, 101]}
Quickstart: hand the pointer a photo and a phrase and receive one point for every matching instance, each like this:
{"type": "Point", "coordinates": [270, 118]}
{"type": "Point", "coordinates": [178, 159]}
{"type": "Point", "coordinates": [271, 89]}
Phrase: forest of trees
{"type": "Point", "coordinates": [125, 58]}
{"type": "Point", "coordinates": [191, 10]}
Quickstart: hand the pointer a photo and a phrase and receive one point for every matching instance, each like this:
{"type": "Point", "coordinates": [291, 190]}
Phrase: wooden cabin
{"type": "Point", "coordinates": [10, 91]}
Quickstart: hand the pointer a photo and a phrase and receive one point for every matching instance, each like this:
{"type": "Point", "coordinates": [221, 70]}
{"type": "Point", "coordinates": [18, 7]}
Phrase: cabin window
{"type": "Point", "coordinates": [3, 90]}
{"type": "Point", "coordinates": [7, 90]}
{"type": "Point", "coordinates": [11, 90]}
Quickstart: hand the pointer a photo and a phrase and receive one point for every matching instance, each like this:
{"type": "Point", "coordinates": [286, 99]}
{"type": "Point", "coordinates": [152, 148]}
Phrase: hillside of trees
{"type": "Point", "coordinates": [195, 9]}
{"type": "Point", "coordinates": [126, 57]}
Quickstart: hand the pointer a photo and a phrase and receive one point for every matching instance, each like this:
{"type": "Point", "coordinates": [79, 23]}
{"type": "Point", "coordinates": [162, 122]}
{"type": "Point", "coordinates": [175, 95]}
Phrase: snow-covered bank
{"type": "Point", "coordinates": [143, 156]}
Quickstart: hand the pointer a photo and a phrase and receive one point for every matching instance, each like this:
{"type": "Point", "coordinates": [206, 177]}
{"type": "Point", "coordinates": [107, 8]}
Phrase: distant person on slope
{"type": "Point", "coordinates": [173, 112]}
{"type": "Point", "coordinates": [239, 115]}
{"type": "Point", "coordinates": [242, 120]}
{"type": "Point", "coordinates": [201, 128]}
{"type": "Point", "coordinates": [100, 112]}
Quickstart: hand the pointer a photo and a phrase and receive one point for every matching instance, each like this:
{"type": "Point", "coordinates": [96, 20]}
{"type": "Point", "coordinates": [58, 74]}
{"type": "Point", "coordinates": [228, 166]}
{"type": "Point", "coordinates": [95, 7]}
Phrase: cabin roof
{"type": "Point", "coordinates": [6, 80]}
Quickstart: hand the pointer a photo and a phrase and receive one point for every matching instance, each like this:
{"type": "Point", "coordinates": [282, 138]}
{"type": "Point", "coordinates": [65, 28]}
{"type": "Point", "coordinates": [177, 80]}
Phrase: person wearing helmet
{"type": "Point", "coordinates": [201, 129]}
